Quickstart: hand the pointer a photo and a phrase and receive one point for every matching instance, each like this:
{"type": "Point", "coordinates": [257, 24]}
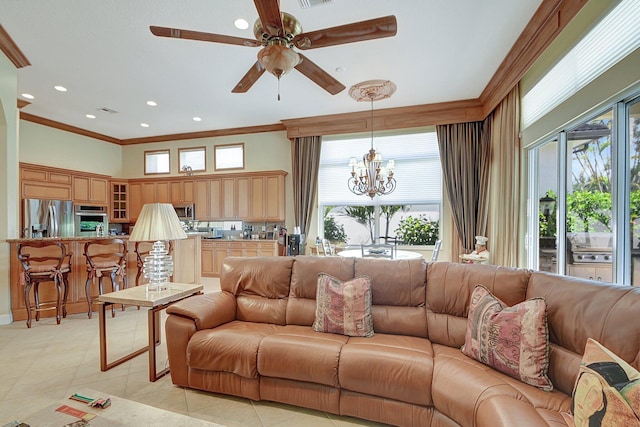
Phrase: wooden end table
{"type": "Point", "coordinates": [156, 301]}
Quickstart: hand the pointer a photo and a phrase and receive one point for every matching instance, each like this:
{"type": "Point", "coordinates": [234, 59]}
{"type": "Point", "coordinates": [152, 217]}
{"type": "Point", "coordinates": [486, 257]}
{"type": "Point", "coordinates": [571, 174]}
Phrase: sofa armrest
{"type": "Point", "coordinates": [208, 310]}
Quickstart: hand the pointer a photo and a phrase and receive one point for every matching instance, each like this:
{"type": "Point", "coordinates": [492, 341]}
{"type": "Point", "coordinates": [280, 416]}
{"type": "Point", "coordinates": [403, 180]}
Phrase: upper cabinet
{"type": "Point", "coordinates": [119, 211]}
{"type": "Point", "coordinates": [91, 190]}
{"type": "Point", "coordinates": [43, 183]}
{"type": "Point", "coordinates": [267, 198]}
{"type": "Point", "coordinates": [182, 192]}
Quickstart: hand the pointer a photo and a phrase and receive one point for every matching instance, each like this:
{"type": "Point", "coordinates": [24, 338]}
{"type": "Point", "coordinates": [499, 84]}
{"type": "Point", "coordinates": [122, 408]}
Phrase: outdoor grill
{"type": "Point", "coordinates": [590, 248]}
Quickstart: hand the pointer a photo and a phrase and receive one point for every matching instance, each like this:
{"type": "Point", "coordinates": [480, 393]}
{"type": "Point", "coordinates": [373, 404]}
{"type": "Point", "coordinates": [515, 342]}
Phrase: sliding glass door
{"type": "Point", "coordinates": [584, 198]}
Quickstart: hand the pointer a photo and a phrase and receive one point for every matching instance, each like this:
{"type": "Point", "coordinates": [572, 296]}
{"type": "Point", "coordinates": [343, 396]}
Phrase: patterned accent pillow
{"type": "Point", "coordinates": [343, 307]}
{"type": "Point", "coordinates": [607, 390]}
{"type": "Point", "coordinates": [513, 340]}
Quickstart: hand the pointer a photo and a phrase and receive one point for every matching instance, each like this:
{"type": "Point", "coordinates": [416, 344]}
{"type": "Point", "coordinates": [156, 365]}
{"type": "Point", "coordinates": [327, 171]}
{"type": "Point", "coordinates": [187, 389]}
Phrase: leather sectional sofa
{"type": "Point", "coordinates": [255, 339]}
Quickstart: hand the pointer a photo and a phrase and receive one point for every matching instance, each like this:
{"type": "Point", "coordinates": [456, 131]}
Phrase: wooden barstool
{"type": "Point", "coordinates": [142, 249]}
{"type": "Point", "coordinates": [48, 262]}
{"type": "Point", "coordinates": [105, 256]}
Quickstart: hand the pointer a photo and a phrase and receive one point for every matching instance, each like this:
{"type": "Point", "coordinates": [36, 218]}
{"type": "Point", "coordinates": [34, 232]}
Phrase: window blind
{"type": "Point", "coordinates": [418, 172]}
{"type": "Point", "coordinates": [610, 41]}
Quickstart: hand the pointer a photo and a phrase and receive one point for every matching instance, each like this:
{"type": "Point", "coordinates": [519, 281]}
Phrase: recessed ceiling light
{"type": "Point", "coordinates": [197, 119]}
{"type": "Point", "coordinates": [90, 116]}
{"type": "Point", "coordinates": [241, 24]}
{"type": "Point", "coordinates": [144, 125]}
{"type": "Point", "coordinates": [152, 103]}
{"type": "Point", "coordinates": [28, 96]}
{"type": "Point", "coordinates": [60, 88]}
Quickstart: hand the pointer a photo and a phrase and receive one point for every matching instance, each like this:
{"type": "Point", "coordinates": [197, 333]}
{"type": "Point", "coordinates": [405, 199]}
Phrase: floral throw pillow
{"type": "Point", "coordinates": [513, 340]}
{"type": "Point", "coordinates": [343, 307]}
{"type": "Point", "coordinates": [607, 390]}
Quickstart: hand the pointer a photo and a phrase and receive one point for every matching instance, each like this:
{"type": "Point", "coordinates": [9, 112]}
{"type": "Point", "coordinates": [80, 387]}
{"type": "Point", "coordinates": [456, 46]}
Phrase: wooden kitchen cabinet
{"type": "Point", "coordinates": [119, 211]}
{"type": "Point", "coordinates": [236, 198]}
{"type": "Point", "coordinates": [207, 258]}
{"type": "Point", "coordinates": [182, 192]}
{"type": "Point", "coordinates": [267, 198]}
{"type": "Point", "coordinates": [91, 190]}
{"type": "Point", "coordinates": [39, 182]}
{"type": "Point", "coordinates": [214, 252]}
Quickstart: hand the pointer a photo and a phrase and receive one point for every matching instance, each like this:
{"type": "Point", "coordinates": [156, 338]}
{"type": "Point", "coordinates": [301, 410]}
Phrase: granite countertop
{"type": "Point", "coordinates": [66, 239]}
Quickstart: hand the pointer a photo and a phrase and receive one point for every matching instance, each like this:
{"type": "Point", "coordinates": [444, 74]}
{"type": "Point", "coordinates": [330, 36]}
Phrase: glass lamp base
{"type": "Point", "coordinates": [158, 268]}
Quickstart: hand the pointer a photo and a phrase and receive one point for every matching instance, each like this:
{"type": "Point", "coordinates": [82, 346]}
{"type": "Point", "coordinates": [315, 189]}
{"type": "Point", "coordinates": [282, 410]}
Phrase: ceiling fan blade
{"type": "Point", "coordinates": [356, 32]}
{"type": "Point", "coordinates": [269, 13]}
{"type": "Point", "coordinates": [319, 76]}
{"type": "Point", "coordinates": [205, 37]}
{"type": "Point", "coordinates": [250, 78]}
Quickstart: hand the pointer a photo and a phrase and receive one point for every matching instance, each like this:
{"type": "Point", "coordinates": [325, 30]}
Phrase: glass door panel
{"type": "Point", "coordinates": [634, 189]}
{"type": "Point", "coordinates": [589, 235]}
{"type": "Point", "coordinates": [547, 178]}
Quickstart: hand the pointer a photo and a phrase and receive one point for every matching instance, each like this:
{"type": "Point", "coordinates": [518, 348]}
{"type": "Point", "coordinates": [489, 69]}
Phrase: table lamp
{"type": "Point", "coordinates": [157, 223]}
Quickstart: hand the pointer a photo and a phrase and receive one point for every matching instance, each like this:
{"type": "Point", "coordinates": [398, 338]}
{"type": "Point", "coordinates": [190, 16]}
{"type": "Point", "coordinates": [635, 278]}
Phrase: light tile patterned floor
{"type": "Point", "coordinates": [47, 363]}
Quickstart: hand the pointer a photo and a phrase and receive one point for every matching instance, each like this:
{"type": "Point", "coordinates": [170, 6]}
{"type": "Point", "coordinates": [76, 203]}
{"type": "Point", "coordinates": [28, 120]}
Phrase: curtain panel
{"type": "Point", "coordinates": [305, 161]}
{"type": "Point", "coordinates": [464, 154]}
{"type": "Point", "coordinates": [505, 219]}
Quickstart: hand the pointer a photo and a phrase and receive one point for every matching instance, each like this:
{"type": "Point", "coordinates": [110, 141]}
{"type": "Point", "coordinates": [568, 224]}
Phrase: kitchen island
{"type": "Point", "coordinates": [186, 255]}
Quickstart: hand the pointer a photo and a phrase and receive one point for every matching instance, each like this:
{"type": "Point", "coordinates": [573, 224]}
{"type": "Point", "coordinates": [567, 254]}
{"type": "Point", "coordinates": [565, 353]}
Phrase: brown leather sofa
{"type": "Point", "coordinates": [254, 339]}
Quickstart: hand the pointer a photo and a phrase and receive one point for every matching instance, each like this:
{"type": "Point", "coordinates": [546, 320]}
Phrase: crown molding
{"type": "Point", "coordinates": [11, 49]}
{"type": "Point", "coordinates": [204, 134]}
{"type": "Point", "coordinates": [68, 128]}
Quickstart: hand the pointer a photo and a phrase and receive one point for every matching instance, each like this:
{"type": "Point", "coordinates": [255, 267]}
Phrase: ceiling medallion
{"type": "Point", "coordinates": [372, 90]}
{"type": "Point", "coordinates": [369, 176]}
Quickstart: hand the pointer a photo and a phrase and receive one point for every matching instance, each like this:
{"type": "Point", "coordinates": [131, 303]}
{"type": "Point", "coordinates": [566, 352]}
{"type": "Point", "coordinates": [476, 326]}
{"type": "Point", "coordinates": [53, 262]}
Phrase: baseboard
{"type": "Point", "coordinates": [6, 319]}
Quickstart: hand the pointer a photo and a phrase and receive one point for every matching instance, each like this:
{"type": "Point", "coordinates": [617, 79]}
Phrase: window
{"type": "Point", "coordinates": [229, 156]}
{"type": "Point", "coordinates": [409, 215]}
{"type": "Point", "coordinates": [156, 162]}
{"type": "Point", "coordinates": [193, 158]}
{"type": "Point", "coordinates": [616, 36]}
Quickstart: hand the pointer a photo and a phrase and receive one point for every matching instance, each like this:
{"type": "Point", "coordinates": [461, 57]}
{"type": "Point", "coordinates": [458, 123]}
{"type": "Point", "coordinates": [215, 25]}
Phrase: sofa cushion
{"type": "Point", "coordinates": [398, 293]}
{"type": "Point", "coordinates": [343, 307]}
{"type": "Point", "coordinates": [461, 384]}
{"type": "Point", "coordinates": [449, 291]}
{"type": "Point", "coordinates": [607, 391]}
{"type": "Point", "coordinates": [300, 353]}
{"type": "Point", "coordinates": [232, 347]}
{"type": "Point", "coordinates": [391, 366]}
{"type": "Point", "coordinates": [513, 340]}
{"type": "Point", "coordinates": [301, 307]}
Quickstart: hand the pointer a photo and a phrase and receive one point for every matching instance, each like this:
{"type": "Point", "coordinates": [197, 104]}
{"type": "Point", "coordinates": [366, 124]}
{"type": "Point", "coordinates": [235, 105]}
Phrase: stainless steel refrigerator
{"type": "Point", "coordinates": [47, 218]}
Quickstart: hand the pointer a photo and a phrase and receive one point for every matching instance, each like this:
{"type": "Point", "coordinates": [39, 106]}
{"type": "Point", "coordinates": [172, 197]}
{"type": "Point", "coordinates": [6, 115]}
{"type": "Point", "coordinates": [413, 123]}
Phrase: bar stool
{"type": "Point", "coordinates": [50, 262]}
{"type": "Point", "coordinates": [105, 256]}
{"type": "Point", "coordinates": [142, 249]}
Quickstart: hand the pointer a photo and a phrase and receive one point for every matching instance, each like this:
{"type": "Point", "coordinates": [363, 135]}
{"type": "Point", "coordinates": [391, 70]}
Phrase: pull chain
{"type": "Point", "coordinates": [278, 88]}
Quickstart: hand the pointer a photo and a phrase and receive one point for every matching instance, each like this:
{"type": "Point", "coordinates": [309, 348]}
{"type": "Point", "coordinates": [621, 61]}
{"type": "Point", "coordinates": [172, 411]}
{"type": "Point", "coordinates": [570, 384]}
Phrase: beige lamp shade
{"type": "Point", "coordinates": [157, 222]}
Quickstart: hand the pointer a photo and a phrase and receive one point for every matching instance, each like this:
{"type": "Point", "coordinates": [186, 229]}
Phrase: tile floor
{"type": "Point", "coordinates": [47, 363]}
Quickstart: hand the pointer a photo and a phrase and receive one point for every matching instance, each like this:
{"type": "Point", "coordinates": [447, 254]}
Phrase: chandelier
{"type": "Point", "coordinates": [369, 176]}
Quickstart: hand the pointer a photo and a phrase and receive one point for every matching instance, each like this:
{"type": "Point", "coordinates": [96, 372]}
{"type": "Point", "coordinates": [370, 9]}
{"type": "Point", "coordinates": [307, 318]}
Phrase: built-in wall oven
{"type": "Point", "coordinates": [90, 219]}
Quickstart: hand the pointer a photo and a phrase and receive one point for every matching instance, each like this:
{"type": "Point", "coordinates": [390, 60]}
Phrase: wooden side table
{"type": "Point", "coordinates": [156, 301]}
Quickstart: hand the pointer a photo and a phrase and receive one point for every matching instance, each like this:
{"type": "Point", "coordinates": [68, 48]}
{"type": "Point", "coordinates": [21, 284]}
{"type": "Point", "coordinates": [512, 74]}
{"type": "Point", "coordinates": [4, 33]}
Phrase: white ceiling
{"type": "Point", "coordinates": [104, 54]}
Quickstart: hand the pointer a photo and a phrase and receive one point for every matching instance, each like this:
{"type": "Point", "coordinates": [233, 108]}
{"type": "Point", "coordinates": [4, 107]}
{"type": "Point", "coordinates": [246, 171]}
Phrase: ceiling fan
{"type": "Point", "coordinates": [278, 33]}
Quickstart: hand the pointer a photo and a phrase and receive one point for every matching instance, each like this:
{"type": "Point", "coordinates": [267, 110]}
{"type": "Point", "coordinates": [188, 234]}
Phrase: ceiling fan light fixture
{"type": "Point", "coordinates": [278, 59]}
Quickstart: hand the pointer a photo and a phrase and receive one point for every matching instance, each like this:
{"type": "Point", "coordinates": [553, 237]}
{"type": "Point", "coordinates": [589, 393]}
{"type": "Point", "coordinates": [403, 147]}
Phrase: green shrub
{"type": "Point", "coordinates": [418, 231]}
{"type": "Point", "coordinates": [334, 232]}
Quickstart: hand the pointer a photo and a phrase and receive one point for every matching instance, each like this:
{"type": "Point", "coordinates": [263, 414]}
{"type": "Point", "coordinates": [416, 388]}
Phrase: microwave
{"type": "Point", "coordinates": [185, 211]}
